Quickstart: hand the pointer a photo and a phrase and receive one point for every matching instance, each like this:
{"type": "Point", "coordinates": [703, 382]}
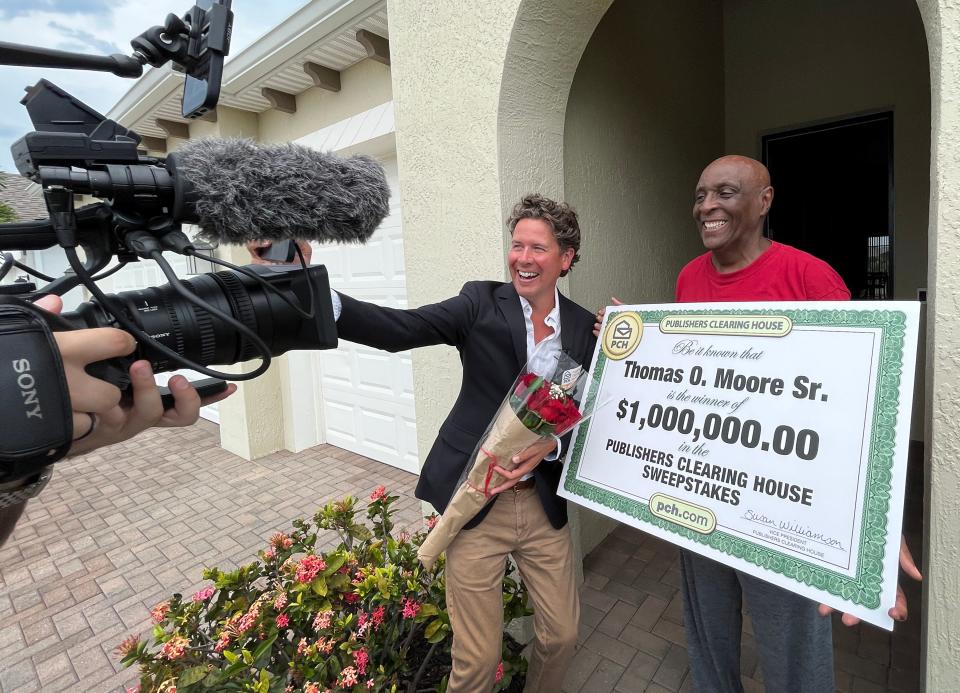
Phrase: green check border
{"type": "Point", "coordinates": [865, 587]}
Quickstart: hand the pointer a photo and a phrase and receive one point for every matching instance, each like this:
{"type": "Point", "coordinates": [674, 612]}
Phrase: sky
{"type": "Point", "coordinates": [99, 27]}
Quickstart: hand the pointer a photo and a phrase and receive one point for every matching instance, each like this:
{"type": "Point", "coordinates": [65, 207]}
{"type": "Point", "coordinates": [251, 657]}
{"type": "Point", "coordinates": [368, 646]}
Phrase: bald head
{"type": "Point", "coordinates": [750, 170]}
{"type": "Point", "coordinates": [732, 199]}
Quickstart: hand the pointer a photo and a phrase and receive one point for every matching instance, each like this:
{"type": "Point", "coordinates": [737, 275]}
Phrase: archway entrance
{"type": "Point", "coordinates": [663, 88]}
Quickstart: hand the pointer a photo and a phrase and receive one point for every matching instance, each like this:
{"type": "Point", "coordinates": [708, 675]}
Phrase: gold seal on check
{"type": "Point", "coordinates": [622, 334]}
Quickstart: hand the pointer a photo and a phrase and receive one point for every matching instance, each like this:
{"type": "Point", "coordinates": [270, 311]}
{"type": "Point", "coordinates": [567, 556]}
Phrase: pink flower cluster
{"type": "Point", "coordinates": [432, 521]}
{"type": "Point", "coordinates": [283, 621]}
{"type": "Point", "coordinates": [410, 608]}
{"type": "Point", "coordinates": [363, 619]}
{"type": "Point", "coordinates": [379, 493]}
{"type": "Point", "coordinates": [249, 618]}
{"type": "Point", "coordinates": [348, 678]}
{"type": "Point", "coordinates": [128, 645]}
{"type": "Point", "coordinates": [378, 615]}
{"type": "Point", "coordinates": [309, 567]}
{"type": "Point", "coordinates": [281, 541]}
{"type": "Point", "coordinates": [280, 601]}
{"type": "Point", "coordinates": [174, 648]}
{"type": "Point", "coordinates": [222, 642]}
{"type": "Point", "coordinates": [499, 675]}
{"type": "Point", "coordinates": [360, 658]}
{"type": "Point", "coordinates": [159, 612]}
{"type": "Point", "coordinates": [204, 594]}
{"type": "Point", "coordinates": [322, 620]}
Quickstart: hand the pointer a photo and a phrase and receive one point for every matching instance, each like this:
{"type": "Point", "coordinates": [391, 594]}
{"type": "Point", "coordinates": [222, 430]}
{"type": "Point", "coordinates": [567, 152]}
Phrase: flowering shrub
{"type": "Point", "coordinates": [365, 616]}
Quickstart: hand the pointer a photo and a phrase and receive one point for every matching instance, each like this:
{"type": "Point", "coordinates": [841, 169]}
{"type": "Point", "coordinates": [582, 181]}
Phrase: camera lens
{"type": "Point", "coordinates": [194, 333]}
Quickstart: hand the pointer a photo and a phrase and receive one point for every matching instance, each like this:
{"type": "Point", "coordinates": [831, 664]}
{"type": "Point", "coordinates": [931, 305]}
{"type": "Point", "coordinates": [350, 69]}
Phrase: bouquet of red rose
{"type": "Point", "coordinates": [535, 408]}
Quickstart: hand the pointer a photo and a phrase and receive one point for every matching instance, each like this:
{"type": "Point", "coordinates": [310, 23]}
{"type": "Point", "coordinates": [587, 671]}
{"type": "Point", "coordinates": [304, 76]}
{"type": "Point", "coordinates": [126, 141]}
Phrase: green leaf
{"type": "Point", "coordinates": [192, 676]}
{"type": "Point", "coordinates": [334, 562]}
{"type": "Point", "coordinates": [432, 629]}
{"type": "Point", "coordinates": [338, 581]}
{"type": "Point", "coordinates": [383, 585]}
{"type": "Point", "coordinates": [264, 684]}
{"type": "Point", "coordinates": [441, 634]}
{"type": "Point", "coordinates": [429, 610]}
{"type": "Point", "coordinates": [230, 656]}
{"type": "Point", "coordinates": [360, 532]}
{"type": "Point", "coordinates": [247, 657]}
{"type": "Point", "coordinates": [234, 668]}
{"type": "Point", "coordinates": [264, 647]}
{"type": "Point", "coordinates": [319, 586]}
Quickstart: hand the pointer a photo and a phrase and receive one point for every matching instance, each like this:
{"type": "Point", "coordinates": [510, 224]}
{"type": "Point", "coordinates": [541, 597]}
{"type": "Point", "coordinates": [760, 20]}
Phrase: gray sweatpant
{"type": "Point", "coordinates": [794, 642]}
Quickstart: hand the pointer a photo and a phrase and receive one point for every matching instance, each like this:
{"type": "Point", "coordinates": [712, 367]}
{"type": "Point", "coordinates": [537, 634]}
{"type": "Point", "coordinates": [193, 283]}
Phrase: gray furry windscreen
{"type": "Point", "coordinates": [245, 191]}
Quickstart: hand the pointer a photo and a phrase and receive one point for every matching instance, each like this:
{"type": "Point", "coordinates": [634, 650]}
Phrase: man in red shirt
{"type": "Point", "coordinates": [732, 199]}
{"type": "Point", "coordinates": [795, 643]}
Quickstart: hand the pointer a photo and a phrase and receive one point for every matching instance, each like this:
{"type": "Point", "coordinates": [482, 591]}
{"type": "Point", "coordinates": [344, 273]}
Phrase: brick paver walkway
{"type": "Point", "coordinates": [120, 530]}
{"type": "Point", "coordinates": [631, 630]}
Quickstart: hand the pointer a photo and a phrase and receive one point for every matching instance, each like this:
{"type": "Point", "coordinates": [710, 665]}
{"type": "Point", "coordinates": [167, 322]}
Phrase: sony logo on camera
{"type": "Point", "coordinates": [28, 391]}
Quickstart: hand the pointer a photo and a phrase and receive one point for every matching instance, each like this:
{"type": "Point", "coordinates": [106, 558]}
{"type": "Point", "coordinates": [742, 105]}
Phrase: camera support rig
{"type": "Point", "coordinates": [69, 134]}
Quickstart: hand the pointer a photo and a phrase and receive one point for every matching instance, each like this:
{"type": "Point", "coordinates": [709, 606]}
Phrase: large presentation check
{"type": "Point", "coordinates": [769, 437]}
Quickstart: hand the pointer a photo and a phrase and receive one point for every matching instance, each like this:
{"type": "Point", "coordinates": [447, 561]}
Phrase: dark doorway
{"type": "Point", "coordinates": [833, 198]}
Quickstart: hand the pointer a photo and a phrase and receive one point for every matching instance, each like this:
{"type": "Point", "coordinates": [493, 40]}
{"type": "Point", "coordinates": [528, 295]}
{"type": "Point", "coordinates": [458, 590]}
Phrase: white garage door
{"type": "Point", "coordinates": [366, 395]}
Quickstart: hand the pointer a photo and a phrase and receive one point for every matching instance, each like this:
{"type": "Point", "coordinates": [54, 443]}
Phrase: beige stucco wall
{"type": "Point", "coordinates": [445, 101]}
{"type": "Point", "coordinates": [231, 122]}
{"type": "Point", "coordinates": [942, 499]}
{"type": "Point", "coordinates": [636, 138]}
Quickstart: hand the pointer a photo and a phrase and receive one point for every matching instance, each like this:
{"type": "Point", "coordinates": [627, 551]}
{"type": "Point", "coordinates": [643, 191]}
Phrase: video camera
{"type": "Point", "coordinates": [216, 318]}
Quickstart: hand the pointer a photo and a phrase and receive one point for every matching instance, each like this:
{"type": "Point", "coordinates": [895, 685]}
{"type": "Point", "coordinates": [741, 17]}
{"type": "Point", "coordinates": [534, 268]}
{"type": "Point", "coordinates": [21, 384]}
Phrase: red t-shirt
{"type": "Point", "coordinates": [782, 273]}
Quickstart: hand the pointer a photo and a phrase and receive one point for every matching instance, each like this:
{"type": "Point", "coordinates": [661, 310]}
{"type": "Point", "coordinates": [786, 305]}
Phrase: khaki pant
{"type": "Point", "coordinates": [476, 561]}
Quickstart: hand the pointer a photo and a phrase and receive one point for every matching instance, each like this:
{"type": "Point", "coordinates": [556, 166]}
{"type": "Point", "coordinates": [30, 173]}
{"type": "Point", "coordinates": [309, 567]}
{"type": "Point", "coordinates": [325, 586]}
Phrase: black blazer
{"type": "Point", "coordinates": [485, 323]}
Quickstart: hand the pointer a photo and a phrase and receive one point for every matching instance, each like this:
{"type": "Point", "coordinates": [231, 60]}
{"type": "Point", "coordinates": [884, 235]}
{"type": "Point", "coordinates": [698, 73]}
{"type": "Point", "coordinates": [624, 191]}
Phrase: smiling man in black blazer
{"type": "Point", "coordinates": [497, 328]}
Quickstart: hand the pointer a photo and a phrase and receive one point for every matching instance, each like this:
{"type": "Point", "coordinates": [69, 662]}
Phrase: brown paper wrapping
{"type": "Point", "coordinates": [505, 437]}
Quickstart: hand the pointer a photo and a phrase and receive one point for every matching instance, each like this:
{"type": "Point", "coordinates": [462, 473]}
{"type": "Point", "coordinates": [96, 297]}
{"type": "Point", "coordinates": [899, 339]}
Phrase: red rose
{"type": "Point", "coordinates": [525, 381]}
{"type": "Point", "coordinates": [571, 415]}
{"type": "Point", "coordinates": [538, 398]}
{"type": "Point", "coordinates": [552, 412]}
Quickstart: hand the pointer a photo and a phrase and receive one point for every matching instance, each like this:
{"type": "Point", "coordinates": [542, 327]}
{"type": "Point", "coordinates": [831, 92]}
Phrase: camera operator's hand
{"type": "Point", "coordinates": [99, 417]}
{"type": "Point", "coordinates": [255, 248]}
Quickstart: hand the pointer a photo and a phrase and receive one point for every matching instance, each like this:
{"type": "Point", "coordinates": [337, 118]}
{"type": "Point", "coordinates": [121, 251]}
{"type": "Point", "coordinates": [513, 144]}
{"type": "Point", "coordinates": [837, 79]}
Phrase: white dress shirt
{"type": "Point", "coordinates": [542, 358]}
